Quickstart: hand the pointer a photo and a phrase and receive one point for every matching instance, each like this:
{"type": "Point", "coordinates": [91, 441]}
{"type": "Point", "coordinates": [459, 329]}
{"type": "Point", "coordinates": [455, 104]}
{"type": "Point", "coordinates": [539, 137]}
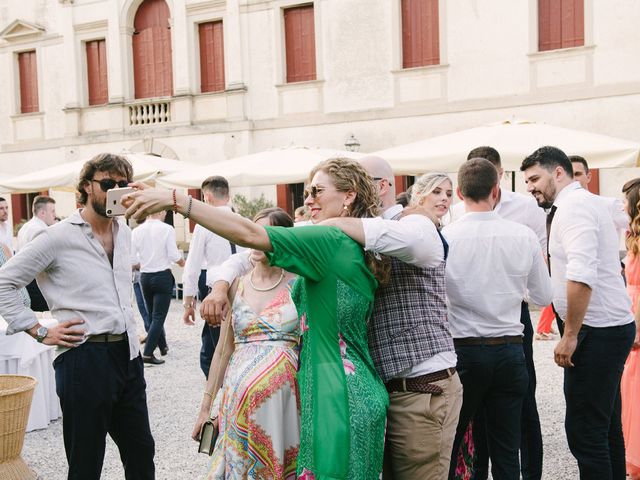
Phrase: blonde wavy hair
{"type": "Point", "coordinates": [426, 184]}
{"type": "Point", "coordinates": [348, 176]}
{"type": "Point", "coordinates": [631, 190]}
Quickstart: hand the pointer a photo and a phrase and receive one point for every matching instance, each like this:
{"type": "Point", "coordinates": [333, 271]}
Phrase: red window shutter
{"type": "Point", "coordinates": [300, 44]}
{"type": "Point", "coordinates": [420, 33]}
{"type": "Point", "coordinates": [97, 72]}
{"type": "Point", "coordinates": [152, 66]}
{"type": "Point", "coordinates": [560, 24]}
{"type": "Point", "coordinates": [211, 57]}
{"type": "Point", "coordinates": [28, 82]}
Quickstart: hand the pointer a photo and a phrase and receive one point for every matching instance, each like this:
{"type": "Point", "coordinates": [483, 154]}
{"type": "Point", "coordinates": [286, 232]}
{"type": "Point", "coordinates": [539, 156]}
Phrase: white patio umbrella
{"type": "Point", "coordinates": [281, 165]}
{"type": "Point", "coordinates": [514, 140]}
{"type": "Point", "coordinates": [65, 176]}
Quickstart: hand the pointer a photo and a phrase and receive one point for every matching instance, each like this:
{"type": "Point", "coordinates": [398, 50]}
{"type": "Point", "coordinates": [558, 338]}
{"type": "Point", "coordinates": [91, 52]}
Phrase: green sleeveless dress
{"type": "Point", "coordinates": [343, 402]}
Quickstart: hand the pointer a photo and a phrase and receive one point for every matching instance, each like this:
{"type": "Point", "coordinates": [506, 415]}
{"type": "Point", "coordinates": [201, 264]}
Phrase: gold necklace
{"type": "Point", "coordinates": [257, 289]}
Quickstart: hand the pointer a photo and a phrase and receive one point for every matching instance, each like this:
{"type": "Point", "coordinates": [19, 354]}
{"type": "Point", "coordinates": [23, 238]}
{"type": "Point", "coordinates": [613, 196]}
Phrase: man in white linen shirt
{"type": "Point", "coordinates": [521, 209]}
{"type": "Point", "coordinates": [206, 251]}
{"type": "Point", "coordinates": [492, 264]}
{"type": "Point", "coordinates": [83, 265]}
{"type": "Point", "coordinates": [155, 249]}
{"type": "Point", "coordinates": [409, 338]}
{"type": "Point", "coordinates": [6, 233]}
{"type": "Point", "coordinates": [590, 296]}
{"type": "Point", "coordinates": [44, 215]}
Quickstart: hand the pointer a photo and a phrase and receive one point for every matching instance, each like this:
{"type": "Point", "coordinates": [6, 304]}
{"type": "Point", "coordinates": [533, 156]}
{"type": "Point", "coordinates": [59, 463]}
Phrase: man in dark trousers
{"type": "Point", "coordinates": [84, 271]}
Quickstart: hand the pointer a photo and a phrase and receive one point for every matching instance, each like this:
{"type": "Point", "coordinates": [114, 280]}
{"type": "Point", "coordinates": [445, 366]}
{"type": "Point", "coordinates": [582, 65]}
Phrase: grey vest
{"type": "Point", "coordinates": [409, 322]}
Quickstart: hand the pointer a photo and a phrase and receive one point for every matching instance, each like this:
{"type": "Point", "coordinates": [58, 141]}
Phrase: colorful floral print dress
{"type": "Point", "coordinates": [259, 416]}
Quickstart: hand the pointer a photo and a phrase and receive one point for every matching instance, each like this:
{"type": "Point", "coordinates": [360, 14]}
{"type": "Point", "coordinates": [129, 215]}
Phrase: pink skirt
{"type": "Point", "coordinates": [630, 392]}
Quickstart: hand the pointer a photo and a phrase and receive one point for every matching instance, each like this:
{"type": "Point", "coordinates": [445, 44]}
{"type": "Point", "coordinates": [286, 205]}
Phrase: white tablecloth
{"type": "Point", "coordinates": [22, 355]}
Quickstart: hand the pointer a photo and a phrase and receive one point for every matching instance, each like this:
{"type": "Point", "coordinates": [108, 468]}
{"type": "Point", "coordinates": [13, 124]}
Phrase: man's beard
{"type": "Point", "coordinates": [99, 207]}
{"type": "Point", "coordinates": [548, 196]}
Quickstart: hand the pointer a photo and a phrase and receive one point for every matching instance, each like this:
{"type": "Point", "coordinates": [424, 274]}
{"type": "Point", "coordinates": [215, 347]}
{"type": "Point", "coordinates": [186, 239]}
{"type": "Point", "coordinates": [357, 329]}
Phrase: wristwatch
{"type": "Point", "coordinates": [41, 333]}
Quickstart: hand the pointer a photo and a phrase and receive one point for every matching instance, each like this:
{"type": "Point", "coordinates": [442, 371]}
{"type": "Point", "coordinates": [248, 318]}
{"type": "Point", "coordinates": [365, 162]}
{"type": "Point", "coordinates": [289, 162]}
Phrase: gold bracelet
{"type": "Point", "coordinates": [209, 394]}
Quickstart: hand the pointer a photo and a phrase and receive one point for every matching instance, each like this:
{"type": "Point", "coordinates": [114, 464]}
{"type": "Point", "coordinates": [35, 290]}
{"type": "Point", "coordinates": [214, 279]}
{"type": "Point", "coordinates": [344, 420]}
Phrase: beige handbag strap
{"type": "Point", "coordinates": [232, 296]}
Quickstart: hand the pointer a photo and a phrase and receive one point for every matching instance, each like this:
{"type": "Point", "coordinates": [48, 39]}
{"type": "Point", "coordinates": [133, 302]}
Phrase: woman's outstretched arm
{"type": "Point", "coordinates": [239, 230]}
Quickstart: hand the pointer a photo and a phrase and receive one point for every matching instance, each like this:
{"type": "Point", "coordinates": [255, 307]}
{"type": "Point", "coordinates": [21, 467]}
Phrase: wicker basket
{"type": "Point", "coordinates": [16, 392]}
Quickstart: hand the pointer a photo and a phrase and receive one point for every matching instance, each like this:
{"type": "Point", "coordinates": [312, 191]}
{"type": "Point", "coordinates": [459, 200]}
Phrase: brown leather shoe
{"type": "Point", "coordinates": [152, 360]}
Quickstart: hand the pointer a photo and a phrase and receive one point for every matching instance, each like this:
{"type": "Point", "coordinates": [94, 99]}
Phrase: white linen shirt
{"type": "Point", "coordinates": [518, 208]}
{"type": "Point", "coordinates": [206, 251]}
{"type": "Point", "coordinates": [491, 264]}
{"type": "Point", "coordinates": [154, 246]}
{"type": "Point", "coordinates": [583, 247]}
{"type": "Point", "coordinates": [29, 230]}
{"type": "Point", "coordinates": [76, 280]}
{"type": "Point", "coordinates": [6, 235]}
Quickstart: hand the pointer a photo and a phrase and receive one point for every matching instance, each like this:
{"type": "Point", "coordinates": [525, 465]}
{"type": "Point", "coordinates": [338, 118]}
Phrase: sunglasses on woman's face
{"type": "Point", "coordinates": [110, 183]}
{"type": "Point", "coordinates": [313, 191]}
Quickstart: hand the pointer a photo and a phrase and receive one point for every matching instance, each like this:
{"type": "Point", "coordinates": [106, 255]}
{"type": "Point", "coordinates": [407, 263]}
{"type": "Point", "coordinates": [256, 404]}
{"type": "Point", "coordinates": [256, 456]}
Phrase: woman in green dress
{"type": "Point", "coordinates": [343, 401]}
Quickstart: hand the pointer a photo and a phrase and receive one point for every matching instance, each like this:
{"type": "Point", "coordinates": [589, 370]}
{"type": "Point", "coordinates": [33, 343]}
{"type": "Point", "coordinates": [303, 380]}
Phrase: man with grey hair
{"type": "Point", "coordinates": [486, 282]}
{"type": "Point", "coordinates": [408, 333]}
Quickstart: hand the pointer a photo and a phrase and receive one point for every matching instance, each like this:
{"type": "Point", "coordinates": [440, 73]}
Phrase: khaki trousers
{"type": "Point", "coordinates": [420, 432]}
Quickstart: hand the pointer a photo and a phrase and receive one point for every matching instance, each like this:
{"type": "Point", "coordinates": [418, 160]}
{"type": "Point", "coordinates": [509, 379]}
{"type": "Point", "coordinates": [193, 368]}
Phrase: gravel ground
{"type": "Point", "coordinates": [175, 388]}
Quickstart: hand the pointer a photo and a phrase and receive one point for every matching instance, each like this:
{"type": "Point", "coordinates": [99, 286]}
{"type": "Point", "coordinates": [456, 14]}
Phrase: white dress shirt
{"type": "Point", "coordinates": [206, 251]}
{"type": "Point", "coordinates": [29, 230]}
{"type": "Point", "coordinates": [491, 264]}
{"type": "Point", "coordinates": [583, 247]}
{"type": "Point", "coordinates": [518, 208]}
{"type": "Point", "coordinates": [154, 246]}
{"type": "Point", "coordinates": [6, 234]}
{"type": "Point", "coordinates": [76, 280]}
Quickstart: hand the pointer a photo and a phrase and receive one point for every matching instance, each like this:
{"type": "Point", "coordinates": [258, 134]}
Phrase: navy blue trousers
{"type": "Point", "coordinates": [592, 394]}
{"type": "Point", "coordinates": [209, 335]}
{"type": "Point", "coordinates": [102, 392]}
{"type": "Point", "coordinates": [531, 432]}
{"type": "Point", "coordinates": [142, 307]}
{"type": "Point", "coordinates": [495, 378]}
{"type": "Point", "coordinates": [157, 289]}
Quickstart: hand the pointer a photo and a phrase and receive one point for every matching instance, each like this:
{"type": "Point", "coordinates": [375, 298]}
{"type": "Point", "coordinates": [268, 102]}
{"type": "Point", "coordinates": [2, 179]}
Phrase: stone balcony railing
{"type": "Point", "coordinates": [149, 112]}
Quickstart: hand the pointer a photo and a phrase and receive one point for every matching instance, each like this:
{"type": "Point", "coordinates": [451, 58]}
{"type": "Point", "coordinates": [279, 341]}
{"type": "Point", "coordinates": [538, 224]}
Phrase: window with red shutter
{"type": "Point", "coordinates": [420, 33]}
{"type": "Point", "coordinates": [152, 66]}
{"type": "Point", "coordinates": [300, 44]}
{"type": "Point", "coordinates": [28, 82]}
{"type": "Point", "coordinates": [560, 24]}
{"type": "Point", "coordinates": [211, 57]}
{"type": "Point", "coordinates": [97, 72]}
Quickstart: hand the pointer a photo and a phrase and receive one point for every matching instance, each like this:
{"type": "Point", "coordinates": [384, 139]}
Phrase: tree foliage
{"type": "Point", "coordinates": [249, 207]}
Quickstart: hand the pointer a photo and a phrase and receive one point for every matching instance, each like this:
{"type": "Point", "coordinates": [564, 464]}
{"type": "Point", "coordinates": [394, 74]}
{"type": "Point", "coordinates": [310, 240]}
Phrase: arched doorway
{"type": "Point", "coordinates": [152, 68]}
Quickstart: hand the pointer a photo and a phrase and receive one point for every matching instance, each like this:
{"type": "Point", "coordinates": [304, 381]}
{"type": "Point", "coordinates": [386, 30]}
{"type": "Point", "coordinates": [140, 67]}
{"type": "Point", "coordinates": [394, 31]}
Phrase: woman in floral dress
{"type": "Point", "coordinates": [343, 401]}
{"type": "Point", "coordinates": [257, 407]}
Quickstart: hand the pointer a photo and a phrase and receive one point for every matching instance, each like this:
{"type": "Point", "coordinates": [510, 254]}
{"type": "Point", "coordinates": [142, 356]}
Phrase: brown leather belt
{"type": "Point", "coordinates": [108, 337]}
{"type": "Point", "coordinates": [421, 384]}
{"type": "Point", "coordinates": [465, 342]}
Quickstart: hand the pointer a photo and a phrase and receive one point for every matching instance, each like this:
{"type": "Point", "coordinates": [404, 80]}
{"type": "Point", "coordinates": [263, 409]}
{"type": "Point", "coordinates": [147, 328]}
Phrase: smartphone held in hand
{"type": "Point", "coordinates": [114, 207]}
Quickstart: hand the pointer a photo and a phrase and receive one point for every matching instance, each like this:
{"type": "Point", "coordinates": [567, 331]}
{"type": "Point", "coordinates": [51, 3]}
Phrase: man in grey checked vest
{"type": "Point", "coordinates": [409, 336]}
